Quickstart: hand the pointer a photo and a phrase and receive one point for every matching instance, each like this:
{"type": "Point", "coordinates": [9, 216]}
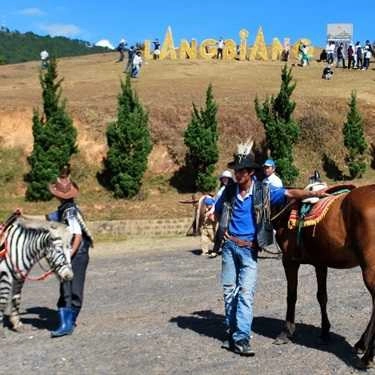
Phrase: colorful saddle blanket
{"type": "Point", "coordinates": [308, 215]}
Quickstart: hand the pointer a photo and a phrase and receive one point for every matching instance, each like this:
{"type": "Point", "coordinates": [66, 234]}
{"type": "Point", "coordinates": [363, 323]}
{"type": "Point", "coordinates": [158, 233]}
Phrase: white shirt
{"type": "Point", "coordinates": [273, 180]}
{"type": "Point", "coordinates": [73, 225]}
{"type": "Point", "coordinates": [44, 55]}
{"type": "Point", "coordinates": [137, 60]}
{"type": "Point", "coordinates": [220, 44]}
{"type": "Point", "coordinates": [331, 48]}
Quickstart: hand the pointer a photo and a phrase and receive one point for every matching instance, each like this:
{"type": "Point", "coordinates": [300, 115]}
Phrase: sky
{"type": "Point", "coordinates": [199, 19]}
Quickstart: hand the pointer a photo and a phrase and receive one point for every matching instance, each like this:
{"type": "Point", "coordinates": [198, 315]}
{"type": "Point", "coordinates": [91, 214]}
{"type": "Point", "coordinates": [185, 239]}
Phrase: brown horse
{"type": "Point", "coordinates": [345, 238]}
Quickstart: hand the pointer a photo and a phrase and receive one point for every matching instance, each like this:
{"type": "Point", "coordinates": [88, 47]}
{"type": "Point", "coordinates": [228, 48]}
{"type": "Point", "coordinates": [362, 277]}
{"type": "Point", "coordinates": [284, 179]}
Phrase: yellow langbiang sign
{"type": "Point", "coordinates": [208, 48]}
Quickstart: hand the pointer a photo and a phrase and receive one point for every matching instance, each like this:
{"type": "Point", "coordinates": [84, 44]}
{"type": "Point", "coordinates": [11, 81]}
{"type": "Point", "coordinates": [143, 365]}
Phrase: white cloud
{"type": "Point", "coordinates": [32, 12]}
{"type": "Point", "coordinates": [59, 29]}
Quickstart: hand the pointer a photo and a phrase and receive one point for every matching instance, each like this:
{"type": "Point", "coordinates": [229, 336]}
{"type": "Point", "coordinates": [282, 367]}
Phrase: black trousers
{"type": "Point", "coordinates": [219, 54]}
{"type": "Point", "coordinates": [71, 292]}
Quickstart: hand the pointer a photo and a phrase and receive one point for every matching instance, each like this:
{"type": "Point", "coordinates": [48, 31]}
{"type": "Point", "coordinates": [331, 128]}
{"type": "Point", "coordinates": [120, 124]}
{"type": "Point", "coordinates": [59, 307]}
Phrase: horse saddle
{"type": "Point", "coordinates": [313, 210]}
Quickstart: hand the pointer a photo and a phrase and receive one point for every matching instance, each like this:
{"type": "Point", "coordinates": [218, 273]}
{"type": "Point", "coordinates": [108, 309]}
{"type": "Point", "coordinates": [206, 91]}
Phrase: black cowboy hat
{"type": "Point", "coordinates": [243, 162]}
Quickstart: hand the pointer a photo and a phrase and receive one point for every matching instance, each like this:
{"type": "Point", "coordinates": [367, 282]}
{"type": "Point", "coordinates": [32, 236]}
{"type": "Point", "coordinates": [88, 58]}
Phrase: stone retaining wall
{"type": "Point", "coordinates": [158, 227]}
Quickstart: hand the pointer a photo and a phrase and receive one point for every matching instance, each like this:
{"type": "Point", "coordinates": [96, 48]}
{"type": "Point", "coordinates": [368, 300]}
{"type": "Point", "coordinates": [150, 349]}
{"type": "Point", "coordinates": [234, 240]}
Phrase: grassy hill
{"type": "Point", "coordinates": [18, 47]}
{"type": "Point", "coordinates": [167, 88]}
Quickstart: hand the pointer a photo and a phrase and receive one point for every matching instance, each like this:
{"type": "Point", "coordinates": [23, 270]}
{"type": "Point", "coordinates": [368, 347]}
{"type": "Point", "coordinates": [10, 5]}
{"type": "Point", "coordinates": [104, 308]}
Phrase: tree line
{"type": "Point", "coordinates": [16, 47]}
{"type": "Point", "coordinates": [129, 140]}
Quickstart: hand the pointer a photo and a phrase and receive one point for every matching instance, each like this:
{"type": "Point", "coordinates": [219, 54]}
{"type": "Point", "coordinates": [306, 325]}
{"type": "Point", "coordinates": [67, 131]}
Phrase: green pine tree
{"type": "Point", "coordinates": [129, 143]}
{"type": "Point", "coordinates": [281, 130]}
{"type": "Point", "coordinates": [201, 138]}
{"type": "Point", "coordinates": [354, 140]}
{"type": "Point", "coordinates": [54, 137]}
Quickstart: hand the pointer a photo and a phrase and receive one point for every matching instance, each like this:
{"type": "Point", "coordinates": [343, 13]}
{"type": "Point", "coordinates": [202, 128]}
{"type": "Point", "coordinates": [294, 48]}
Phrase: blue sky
{"type": "Point", "coordinates": [146, 19]}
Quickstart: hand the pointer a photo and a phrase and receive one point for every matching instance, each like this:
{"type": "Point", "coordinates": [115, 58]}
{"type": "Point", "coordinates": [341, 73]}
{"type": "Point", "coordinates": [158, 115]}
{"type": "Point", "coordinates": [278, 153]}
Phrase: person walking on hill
{"type": "Point", "coordinates": [71, 292]}
{"type": "Point", "coordinates": [136, 65]}
{"type": "Point", "coordinates": [131, 53]}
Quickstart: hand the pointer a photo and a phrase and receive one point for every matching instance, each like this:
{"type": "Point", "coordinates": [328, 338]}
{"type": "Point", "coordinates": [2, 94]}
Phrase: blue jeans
{"type": "Point", "coordinates": [239, 275]}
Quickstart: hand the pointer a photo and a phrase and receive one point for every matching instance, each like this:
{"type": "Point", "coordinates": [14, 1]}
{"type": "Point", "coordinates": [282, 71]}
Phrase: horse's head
{"type": "Point", "coordinates": [59, 250]}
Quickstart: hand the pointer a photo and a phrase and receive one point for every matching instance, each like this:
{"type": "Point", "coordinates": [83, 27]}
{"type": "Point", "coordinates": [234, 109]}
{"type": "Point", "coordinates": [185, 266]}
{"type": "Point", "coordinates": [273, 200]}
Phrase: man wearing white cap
{"type": "Point", "coordinates": [269, 168]}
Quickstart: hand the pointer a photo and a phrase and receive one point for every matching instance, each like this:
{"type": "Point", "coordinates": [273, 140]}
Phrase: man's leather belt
{"type": "Point", "coordinates": [241, 243]}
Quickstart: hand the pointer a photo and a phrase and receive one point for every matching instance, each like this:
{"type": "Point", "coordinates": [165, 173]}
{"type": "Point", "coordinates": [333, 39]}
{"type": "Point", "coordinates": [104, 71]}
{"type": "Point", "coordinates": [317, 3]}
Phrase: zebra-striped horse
{"type": "Point", "coordinates": [25, 241]}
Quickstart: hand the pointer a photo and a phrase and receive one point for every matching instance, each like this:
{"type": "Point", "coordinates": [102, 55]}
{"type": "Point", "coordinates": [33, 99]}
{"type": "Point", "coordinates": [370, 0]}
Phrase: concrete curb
{"type": "Point", "coordinates": [144, 227]}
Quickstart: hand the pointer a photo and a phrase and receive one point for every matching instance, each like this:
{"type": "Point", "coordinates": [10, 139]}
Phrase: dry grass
{"type": "Point", "coordinates": [91, 85]}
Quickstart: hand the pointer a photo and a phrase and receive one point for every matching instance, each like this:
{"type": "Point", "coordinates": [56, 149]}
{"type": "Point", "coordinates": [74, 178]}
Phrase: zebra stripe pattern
{"type": "Point", "coordinates": [26, 242]}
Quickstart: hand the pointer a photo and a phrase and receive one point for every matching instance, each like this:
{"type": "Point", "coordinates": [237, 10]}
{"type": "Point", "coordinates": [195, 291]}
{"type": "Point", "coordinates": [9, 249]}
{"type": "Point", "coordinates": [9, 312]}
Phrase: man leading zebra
{"type": "Point", "coordinates": [71, 292]}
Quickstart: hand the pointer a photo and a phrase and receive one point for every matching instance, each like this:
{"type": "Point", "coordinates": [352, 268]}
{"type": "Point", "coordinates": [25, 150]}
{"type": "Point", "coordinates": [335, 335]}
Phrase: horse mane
{"type": "Point", "coordinates": [39, 224]}
{"type": "Point", "coordinates": [11, 219]}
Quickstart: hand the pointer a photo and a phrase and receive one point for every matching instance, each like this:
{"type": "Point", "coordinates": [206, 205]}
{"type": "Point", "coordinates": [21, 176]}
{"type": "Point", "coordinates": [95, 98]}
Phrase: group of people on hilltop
{"type": "Point", "coordinates": [134, 61]}
{"type": "Point", "coordinates": [352, 56]}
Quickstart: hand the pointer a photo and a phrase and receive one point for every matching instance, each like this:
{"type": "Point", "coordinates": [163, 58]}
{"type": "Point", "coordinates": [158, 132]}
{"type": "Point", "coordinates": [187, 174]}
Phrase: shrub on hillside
{"type": "Point", "coordinates": [129, 144]}
{"type": "Point", "coordinates": [201, 139]}
{"type": "Point", "coordinates": [280, 128]}
{"type": "Point", "coordinates": [54, 137]}
{"type": "Point", "coordinates": [354, 140]}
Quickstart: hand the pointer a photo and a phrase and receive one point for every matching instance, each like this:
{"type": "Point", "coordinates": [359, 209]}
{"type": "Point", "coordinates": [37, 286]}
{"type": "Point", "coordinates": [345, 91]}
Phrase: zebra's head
{"type": "Point", "coordinates": [59, 250]}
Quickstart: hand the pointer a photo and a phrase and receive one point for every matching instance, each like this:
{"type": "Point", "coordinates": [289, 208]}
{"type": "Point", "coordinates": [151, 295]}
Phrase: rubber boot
{"type": "Point", "coordinates": [75, 313]}
{"type": "Point", "coordinates": [66, 323]}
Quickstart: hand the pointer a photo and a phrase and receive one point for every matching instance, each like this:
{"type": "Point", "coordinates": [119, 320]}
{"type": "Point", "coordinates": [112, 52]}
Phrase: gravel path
{"type": "Point", "coordinates": [155, 307]}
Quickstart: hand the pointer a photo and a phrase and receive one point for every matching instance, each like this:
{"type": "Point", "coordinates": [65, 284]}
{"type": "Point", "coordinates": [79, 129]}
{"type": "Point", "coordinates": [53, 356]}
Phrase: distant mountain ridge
{"type": "Point", "coordinates": [16, 47]}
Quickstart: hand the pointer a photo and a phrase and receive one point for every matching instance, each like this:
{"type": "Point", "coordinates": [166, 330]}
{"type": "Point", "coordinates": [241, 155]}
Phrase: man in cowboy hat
{"type": "Point", "coordinates": [71, 293]}
{"type": "Point", "coordinates": [243, 216]}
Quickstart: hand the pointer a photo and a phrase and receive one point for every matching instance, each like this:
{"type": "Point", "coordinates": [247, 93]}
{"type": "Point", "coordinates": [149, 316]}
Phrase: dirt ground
{"type": "Point", "coordinates": [155, 307]}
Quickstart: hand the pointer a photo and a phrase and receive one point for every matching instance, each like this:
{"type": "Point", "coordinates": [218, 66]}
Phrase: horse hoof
{"type": "Point", "coordinates": [282, 339]}
{"type": "Point", "coordinates": [364, 364]}
{"type": "Point", "coordinates": [359, 349]}
{"type": "Point", "coordinates": [20, 328]}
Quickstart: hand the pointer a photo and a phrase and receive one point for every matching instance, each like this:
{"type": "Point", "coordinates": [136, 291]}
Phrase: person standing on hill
{"type": "Point", "coordinates": [351, 63]}
{"type": "Point", "coordinates": [340, 56]}
{"type": "Point", "coordinates": [330, 52]}
{"type": "Point", "coordinates": [359, 54]}
{"type": "Point", "coordinates": [156, 51]}
{"type": "Point", "coordinates": [366, 58]}
{"type": "Point", "coordinates": [121, 49]}
{"type": "Point", "coordinates": [44, 59]}
{"type": "Point", "coordinates": [220, 48]}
